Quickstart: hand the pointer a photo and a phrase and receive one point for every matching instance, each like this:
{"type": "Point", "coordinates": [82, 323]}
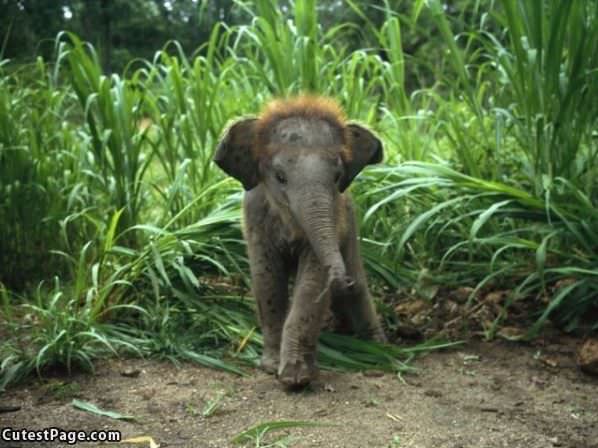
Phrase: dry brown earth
{"type": "Point", "coordinates": [496, 394]}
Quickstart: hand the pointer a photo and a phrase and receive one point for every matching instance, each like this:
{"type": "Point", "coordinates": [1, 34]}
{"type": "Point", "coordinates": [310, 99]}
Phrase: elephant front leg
{"type": "Point", "coordinates": [298, 351]}
{"type": "Point", "coordinates": [270, 288]}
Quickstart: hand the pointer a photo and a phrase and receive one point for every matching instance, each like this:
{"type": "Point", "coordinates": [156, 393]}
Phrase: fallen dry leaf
{"type": "Point", "coordinates": [496, 296]}
{"type": "Point", "coordinates": [412, 307]}
{"type": "Point", "coordinates": [462, 294]}
{"type": "Point", "coordinates": [394, 417]}
{"type": "Point", "coordinates": [550, 362]}
{"type": "Point", "coordinates": [142, 439]}
{"type": "Point", "coordinates": [511, 333]}
{"type": "Point", "coordinates": [587, 357]}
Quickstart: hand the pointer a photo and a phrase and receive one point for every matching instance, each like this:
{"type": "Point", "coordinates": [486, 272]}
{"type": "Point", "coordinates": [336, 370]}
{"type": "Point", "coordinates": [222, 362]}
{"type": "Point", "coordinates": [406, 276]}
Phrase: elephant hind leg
{"type": "Point", "coordinates": [354, 313]}
{"type": "Point", "coordinates": [354, 309]}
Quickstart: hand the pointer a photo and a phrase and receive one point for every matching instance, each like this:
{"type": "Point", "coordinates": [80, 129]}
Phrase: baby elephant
{"type": "Point", "coordinates": [295, 162]}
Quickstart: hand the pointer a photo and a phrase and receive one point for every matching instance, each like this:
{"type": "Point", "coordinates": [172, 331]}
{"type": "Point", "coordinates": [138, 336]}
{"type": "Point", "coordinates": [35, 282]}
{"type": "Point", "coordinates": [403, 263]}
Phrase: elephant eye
{"type": "Point", "coordinates": [280, 177]}
{"type": "Point", "coordinates": [337, 177]}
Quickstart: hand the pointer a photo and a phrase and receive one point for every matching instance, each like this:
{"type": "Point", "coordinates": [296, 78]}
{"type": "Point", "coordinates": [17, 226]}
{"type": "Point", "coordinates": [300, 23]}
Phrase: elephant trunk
{"type": "Point", "coordinates": [316, 216]}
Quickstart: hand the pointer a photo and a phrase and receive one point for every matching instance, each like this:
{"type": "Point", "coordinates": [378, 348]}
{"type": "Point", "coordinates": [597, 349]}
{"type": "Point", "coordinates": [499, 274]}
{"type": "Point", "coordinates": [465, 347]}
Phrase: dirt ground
{"type": "Point", "coordinates": [499, 394]}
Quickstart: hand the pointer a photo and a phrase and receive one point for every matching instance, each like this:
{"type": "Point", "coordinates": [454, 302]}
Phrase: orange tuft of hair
{"type": "Point", "coordinates": [306, 106]}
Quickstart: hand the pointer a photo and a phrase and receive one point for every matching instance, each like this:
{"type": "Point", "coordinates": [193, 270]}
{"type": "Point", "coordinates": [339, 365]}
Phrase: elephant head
{"type": "Point", "coordinates": [305, 155]}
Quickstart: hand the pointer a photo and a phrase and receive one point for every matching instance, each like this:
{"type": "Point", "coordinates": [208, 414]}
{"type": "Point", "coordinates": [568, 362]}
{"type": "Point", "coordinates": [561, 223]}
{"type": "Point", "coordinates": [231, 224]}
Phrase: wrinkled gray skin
{"type": "Point", "coordinates": [299, 222]}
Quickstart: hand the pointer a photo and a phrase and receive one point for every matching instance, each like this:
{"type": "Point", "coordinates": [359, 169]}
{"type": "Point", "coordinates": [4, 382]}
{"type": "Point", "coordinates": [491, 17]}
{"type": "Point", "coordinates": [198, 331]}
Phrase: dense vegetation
{"type": "Point", "coordinates": [119, 235]}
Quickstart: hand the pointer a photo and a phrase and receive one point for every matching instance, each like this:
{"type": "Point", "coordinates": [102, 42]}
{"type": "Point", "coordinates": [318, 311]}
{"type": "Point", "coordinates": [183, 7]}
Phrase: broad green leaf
{"type": "Point", "coordinates": [93, 409]}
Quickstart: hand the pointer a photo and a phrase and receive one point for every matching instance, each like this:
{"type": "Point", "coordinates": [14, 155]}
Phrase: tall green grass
{"type": "Point", "coordinates": [489, 178]}
{"type": "Point", "coordinates": [549, 63]}
{"type": "Point", "coordinates": [524, 208]}
{"type": "Point", "coordinates": [40, 171]}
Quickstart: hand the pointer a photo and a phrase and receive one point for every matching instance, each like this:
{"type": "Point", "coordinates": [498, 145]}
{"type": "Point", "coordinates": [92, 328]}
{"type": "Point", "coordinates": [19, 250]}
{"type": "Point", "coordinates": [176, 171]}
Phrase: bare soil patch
{"type": "Point", "coordinates": [498, 394]}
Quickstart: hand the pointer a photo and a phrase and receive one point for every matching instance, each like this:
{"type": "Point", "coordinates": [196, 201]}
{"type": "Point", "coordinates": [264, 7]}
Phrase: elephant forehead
{"type": "Point", "coordinates": [305, 132]}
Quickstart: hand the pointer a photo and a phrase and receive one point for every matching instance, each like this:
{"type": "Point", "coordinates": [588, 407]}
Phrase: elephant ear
{"type": "Point", "coordinates": [365, 148]}
{"type": "Point", "coordinates": [234, 155]}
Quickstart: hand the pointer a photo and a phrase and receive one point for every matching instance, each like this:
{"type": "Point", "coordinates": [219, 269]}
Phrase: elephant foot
{"type": "Point", "coordinates": [269, 363]}
{"type": "Point", "coordinates": [297, 372]}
